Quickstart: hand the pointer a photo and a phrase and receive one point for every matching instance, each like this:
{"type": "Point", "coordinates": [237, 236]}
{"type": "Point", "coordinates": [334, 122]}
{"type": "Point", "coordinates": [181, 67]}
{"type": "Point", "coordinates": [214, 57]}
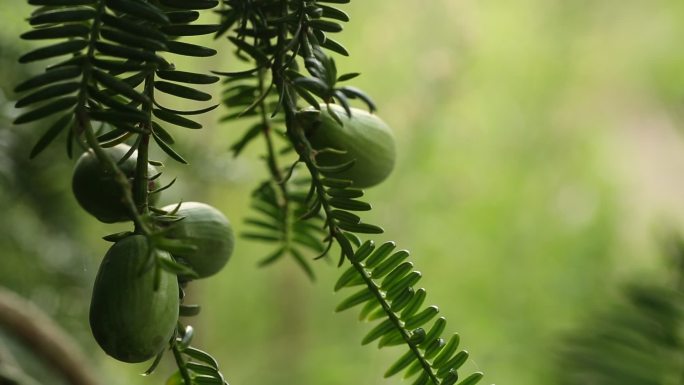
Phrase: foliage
{"type": "Point", "coordinates": [277, 39]}
{"type": "Point", "coordinates": [636, 340]}
{"type": "Point", "coordinates": [115, 47]}
{"type": "Point", "coordinates": [117, 64]}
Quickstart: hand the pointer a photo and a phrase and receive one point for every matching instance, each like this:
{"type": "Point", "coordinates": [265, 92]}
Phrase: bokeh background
{"type": "Point", "coordinates": [540, 159]}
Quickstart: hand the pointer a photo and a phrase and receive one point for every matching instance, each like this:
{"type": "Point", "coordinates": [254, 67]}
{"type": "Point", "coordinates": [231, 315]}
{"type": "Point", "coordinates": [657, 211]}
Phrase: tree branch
{"type": "Point", "coordinates": [45, 338]}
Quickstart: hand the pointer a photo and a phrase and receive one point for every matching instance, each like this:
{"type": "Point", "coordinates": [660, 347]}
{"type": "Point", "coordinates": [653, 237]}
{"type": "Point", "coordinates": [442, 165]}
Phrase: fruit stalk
{"type": "Point", "coordinates": [140, 183]}
{"type": "Point", "coordinates": [272, 161]}
{"type": "Point", "coordinates": [294, 132]}
{"type": "Point", "coordinates": [44, 338]}
{"type": "Point", "coordinates": [180, 362]}
{"type": "Point", "coordinates": [266, 130]}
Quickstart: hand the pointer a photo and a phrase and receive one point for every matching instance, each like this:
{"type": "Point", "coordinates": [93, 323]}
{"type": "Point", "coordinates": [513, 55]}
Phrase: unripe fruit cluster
{"type": "Point", "coordinates": [133, 313]}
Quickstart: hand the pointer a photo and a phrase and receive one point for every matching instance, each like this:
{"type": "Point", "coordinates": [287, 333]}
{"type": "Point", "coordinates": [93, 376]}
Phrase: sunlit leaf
{"type": "Point", "coordinates": [414, 304]}
{"type": "Point", "coordinates": [393, 289]}
{"type": "Point", "coordinates": [434, 333]}
{"type": "Point", "coordinates": [388, 264]}
{"type": "Point", "coordinates": [350, 277]}
{"type": "Point", "coordinates": [472, 379]}
{"type": "Point", "coordinates": [402, 299]}
{"type": "Point", "coordinates": [447, 351]}
{"type": "Point", "coordinates": [380, 254]}
{"type": "Point", "coordinates": [454, 363]}
{"type": "Point", "coordinates": [360, 297]}
{"type": "Point", "coordinates": [434, 348]}
{"type": "Point", "coordinates": [396, 274]}
{"type": "Point", "coordinates": [450, 378]}
{"type": "Point", "coordinates": [378, 331]}
{"type": "Point", "coordinates": [401, 364]}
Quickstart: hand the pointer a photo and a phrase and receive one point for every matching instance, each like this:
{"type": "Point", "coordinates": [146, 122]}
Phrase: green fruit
{"type": "Point", "coordinates": [98, 192]}
{"type": "Point", "coordinates": [366, 139]}
{"type": "Point", "coordinates": [209, 231]}
{"type": "Point", "coordinates": [129, 319]}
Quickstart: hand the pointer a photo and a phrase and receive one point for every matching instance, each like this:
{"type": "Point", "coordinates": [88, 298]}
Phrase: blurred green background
{"type": "Point", "coordinates": [540, 155]}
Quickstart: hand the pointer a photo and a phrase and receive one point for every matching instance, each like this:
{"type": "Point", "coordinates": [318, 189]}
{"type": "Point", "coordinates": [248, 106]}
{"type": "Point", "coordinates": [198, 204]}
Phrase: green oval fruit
{"type": "Point", "coordinates": [209, 231]}
{"type": "Point", "coordinates": [129, 319]}
{"type": "Point", "coordinates": [365, 138]}
{"type": "Point", "coordinates": [97, 191]}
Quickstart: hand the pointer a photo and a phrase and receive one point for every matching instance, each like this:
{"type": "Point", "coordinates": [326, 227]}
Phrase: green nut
{"type": "Point", "coordinates": [130, 320]}
{"type": "Point", "coordinates": [209, 231]}
{"type": "Point", "coordinates": [96, 189]}
{"type": "Point", "coordinates": [363, 138]}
